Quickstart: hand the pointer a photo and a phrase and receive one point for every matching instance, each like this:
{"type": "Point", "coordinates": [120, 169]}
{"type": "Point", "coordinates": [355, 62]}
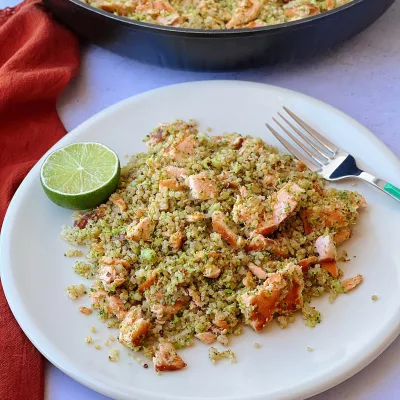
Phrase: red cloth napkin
{"type": "Point", "coordinates": [38, 58]}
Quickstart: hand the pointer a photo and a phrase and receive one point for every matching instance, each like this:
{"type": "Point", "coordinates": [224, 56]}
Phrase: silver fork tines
{"type": "Point", "coordinates": [319, 138]}
{"type": "Point", "coordinates": [321, 150]}
{"type": "Point", "coordinates": [322, 156]}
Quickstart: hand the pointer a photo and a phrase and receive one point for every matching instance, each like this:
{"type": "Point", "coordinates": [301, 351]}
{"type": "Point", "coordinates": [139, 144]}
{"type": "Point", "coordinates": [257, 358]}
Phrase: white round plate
{"type": "Point", "coordinates": [353, 332]}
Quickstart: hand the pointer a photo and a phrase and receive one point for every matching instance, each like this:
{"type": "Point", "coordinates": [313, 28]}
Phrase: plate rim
{"type": "Point", "coordinates": [6, 273]}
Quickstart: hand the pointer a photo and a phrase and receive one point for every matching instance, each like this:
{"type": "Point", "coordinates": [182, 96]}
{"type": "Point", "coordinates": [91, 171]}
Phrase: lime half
{"type": "Point", "coordinates": [80, 176]}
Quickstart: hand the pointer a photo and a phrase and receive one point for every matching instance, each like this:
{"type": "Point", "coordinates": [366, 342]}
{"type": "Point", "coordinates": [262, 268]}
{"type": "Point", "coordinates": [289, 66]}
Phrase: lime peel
{"type": "Point", "coordinates": [80, 176]}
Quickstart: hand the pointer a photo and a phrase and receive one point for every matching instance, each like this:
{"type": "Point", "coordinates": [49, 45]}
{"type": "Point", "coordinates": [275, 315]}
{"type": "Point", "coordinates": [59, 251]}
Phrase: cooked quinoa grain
{"type": "Point", "coordinates": [206, 234]}
{"type": "Point", "coordinates": [75, 291]}
{"type": "Point", "coordinates": [374, 297]}
{"type": "Point", "coordinates": [88, 339]}
{"type": "Point", "coordinates": [73, 253]}
{"type": "Point", "coordinates": [216, 355]}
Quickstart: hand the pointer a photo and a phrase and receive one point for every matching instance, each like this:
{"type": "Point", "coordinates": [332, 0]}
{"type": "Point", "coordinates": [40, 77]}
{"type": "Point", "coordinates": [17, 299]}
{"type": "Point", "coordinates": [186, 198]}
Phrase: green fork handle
{"type": "Point", "coordinates": [381, 184]}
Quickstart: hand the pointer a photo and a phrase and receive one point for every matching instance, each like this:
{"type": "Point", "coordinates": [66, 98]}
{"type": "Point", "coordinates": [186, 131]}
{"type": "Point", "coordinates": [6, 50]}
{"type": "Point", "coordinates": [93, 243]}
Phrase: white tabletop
{"type": "Point", "coordinates": [361, 77]}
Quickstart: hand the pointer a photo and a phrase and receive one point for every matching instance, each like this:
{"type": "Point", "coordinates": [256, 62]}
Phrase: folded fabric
{"type": "Point", "coordinates": [38, 57]}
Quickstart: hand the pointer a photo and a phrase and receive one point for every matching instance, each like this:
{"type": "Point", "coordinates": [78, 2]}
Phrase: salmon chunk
{"type": "Point", "coordinates": [326, 249]}
{"type": "Point", "coordinates": [176, 172]}
{"type": "Point", "coordinates": [116, 307]}
{"type": "Point", "coordinates": [202, 187]}
{"type": "Point", "coordinates": [206, 337]}
{"type": "Point", "coordinates": [284, 203]}
{"type": "Point", "coordinates": [260, 243]}
{"type": "Point", "coordinates": [133, 328]}
{"type": "Point", "coordinates": [167, 359]}
{"type": "Point", "coordinates": [257, 271]}
{"type": "Point", "coordinates": [177, 239]}
{"type": "Point", "coordinates": [280, 294]}
{"type": "Point", "coordinates": [351, 283]}
{"type": "Point", "coordinates": [171, 184]}
{"type": "Point", "coordinates": [140, 231]}
{"type": "Point", "coordinates": [219, 225]}
{"type": "Point", "coordinates": [246, 11]}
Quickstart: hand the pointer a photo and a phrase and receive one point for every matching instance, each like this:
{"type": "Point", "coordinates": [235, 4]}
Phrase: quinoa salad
{"type": "Point", "coordinates": [206, 234]}
{"type": "Point", "coordinates": [216, 14]}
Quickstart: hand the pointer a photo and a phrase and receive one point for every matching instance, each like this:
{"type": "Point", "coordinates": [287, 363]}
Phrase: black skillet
{"type": "Point", "coordinates": [218, 49]}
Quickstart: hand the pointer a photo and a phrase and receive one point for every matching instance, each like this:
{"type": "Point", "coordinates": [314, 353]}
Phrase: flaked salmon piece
{"type": "Point", "coordinates": [259, 305]}
{"type": "Point", "coordinates": [269, 180]}
{"type": "Point", "coordinates": [108, 275]}
{"type": "Point", "coordinates": [300, 166]}
{"type": "Point", "coordinates": [115, 261]}
{"type": "Point", "coordinates": [245, 12]}
{"type": "Point", "coordinates": [148, 282]}
{"type": "Point", "coordinates": [351, 283]}
{"type": "Point", "coordinates": [169, 20]}
{"type": "Point", "coordinates": [306, 262]}
{"type": "Point", "coordinates": [177, 239]}
{"type": "Point", "coordinates": [220, 322]}
{"type": "Point", "coordinates": [284, 204]}
{"type": "Point", "coordinates": [140, 231]}
{"type": "Point", "coordinates": [187, 145]}
{"type": "Point", "coordinates": [330, 4]}
{"type": "Point", "coordinates": [96, 214]}
{"type": "Point", "coordinates": [182, 149]}
{"type": "Point", "coordinates": [85, 310]}
{"type": "Point", "coordinates": [257, 271]}
{"type": "Point", "coordinates": [326, 249]}
{"type": "Point", "coordinates": [248, 280]}
{"type": "Point", "coordinates": [195, 295]}
{"type": "Point", "coordinates": [330, 267]}
{"type": "Point", "coordinates": [281, 292]}
{"type": "Point", "coordinates": [226, 181]}
{"type": "Point", "coordinates": [318, 188]}
{"type": "Point", "coordinates": [219, 226]}
{"type": "Point", "coordinates": [342, 235]}
{"type": "Point", "coordinates": [171, 184]}
{"type": "Point", "coordinates": [176, 172]}
{"type": "Point", "coordinates": [306, 226]}
{"type": "Point", "coordinates": [167, 359]}
{"type": "Point", "coordinates": [195, 217]}
{"type": "Point", "coordinates": [116, 307]}
{"type": "Point", "coordinates": [206, 337]}
{"type": "Point", "coordinates": [164, 313]}
{"type": "Point", "coordinates": [234, 140]}
{"type": "Point", "coordinates": [237, 143]}
{"type": "Point", "coordinates": [211, 271]}
{"type": "Point", "coordinates": [156, 136]}
{"type": "Point", "coordinates": [121, 8]}
{"type": "Point", "coordinates": [202, 187]}
{"type": "Point", "coordinates": [119, 202]}
{"type": "Point", "coordinates": [248, 208]}
{"type": "Point", "coordinates": [334, 218]}
{"type": "Point", "coordinates": [293, 300]}
{"type": "Point", "coordinates": [260, 243]}
{"type": "Point", "coordinates": [97, 296]}
{"type": "Point", "coordinates": [256, 24]}
{"type": "Point", "coordinates": [133, 328]}
{"type": "Point", "coordinates": [154, 8]}
{"type": "Point", "coordinates": [302, 11]}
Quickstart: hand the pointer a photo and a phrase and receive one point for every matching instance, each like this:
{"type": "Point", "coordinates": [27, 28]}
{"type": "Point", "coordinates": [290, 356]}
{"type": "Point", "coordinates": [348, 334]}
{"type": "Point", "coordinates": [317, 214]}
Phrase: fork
{"type": "Point", "coordinates": [323, 157]}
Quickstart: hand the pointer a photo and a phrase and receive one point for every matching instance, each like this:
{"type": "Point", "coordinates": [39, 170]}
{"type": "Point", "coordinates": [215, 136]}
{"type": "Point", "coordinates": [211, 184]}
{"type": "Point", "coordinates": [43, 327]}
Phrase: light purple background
{"type": "Point", "coordinates": [361, 77]}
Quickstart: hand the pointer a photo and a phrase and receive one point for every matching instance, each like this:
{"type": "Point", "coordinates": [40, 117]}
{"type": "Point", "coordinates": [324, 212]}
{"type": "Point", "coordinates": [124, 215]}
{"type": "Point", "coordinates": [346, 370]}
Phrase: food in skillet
{"type": "Point", "coordinates": [216, 14]}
